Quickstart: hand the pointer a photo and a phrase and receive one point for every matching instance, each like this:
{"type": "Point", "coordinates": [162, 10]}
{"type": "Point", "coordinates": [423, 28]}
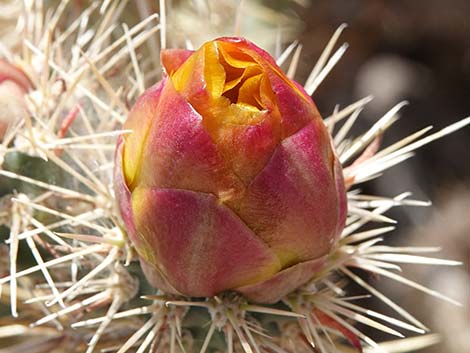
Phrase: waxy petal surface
{"type": "Point", "coordinates": [293, 203]}
{"type": "Point", "coordinates": [199, 244]}
{"type": "Point", "coordinates": [248, 148]}
{"type": "Point", "coordinates": [180, 154]}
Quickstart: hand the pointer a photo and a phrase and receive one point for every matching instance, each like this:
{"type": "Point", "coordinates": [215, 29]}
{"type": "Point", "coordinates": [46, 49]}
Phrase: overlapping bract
{"type": "Point", "coordinates": [228, 180]}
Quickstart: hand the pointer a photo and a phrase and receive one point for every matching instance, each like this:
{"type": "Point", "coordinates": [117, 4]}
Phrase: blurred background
{"type": "Point", "coordinates": [418, 51]}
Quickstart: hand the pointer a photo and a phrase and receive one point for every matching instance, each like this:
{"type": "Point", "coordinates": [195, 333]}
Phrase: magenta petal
{"type": "Point", "coordinates": [296, 108]}
{"type": "Point", "coordinates": [249, 147]}
{"type": "Point", "coordinates": [180, 154]}
{"type": "Point", "coordinates": [284, 282]}
{"type": "Point", "coordinates": [201, 246]}
{"type": "Point", "coordinates": [294, 204]}
{"type": "Point", "coordinates": [123, 198]}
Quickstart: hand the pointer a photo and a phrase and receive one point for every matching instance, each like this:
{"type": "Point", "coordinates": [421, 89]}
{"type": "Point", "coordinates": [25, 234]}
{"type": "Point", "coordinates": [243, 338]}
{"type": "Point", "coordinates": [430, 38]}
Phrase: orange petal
{"type": "Point", "coordinates": [172, 59]}
{"type": "Point", "coordinates": [296, 107]}
{"type": "Point", "coordinates": [249, 92]}
{"type": "Point", "coordinates": [233, 56]}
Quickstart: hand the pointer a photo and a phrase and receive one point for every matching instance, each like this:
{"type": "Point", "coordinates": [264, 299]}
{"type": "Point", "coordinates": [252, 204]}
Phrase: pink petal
{"type": "Point", "coordinates": [201, 246]}
{"type": "Point", "coordinates": [179, 153]}
{"type": "Point", "coordinates": [123, 198]}
{"type": "Point", "coordinates": [296, 109]}
{"type": "Point", "coordinates": [294, 204]}
{"type": "Point", "coordinates": [248, 148]}
{"type": "Point", "coordinates": [140, 121]}
{"type": "Point", "coordinates": [283, 283]}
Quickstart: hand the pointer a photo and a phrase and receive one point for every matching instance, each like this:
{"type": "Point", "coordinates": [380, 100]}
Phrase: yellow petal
{"type": "Point", "coordinates": [214, 73]}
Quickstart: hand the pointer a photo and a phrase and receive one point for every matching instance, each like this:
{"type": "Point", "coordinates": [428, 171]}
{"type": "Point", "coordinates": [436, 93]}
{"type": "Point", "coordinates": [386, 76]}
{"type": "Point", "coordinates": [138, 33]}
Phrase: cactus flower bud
{"type": "Point", "coordinates": [13, 86]}
{"type": "Point", "coordinates": [228, 180]}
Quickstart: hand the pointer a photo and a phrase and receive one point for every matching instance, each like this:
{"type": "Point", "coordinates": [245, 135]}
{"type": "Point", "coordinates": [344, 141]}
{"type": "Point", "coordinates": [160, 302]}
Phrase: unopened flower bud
{"type": "Point", "coordinates": [228, 180]}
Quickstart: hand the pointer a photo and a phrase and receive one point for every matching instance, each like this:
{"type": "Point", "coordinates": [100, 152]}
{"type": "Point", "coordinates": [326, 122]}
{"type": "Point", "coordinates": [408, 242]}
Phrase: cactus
{"type": "Point", "coordinates": [70, 271]}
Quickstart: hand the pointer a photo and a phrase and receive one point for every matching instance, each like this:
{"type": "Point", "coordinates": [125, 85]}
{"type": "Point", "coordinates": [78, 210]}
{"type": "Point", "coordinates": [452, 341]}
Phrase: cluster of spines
{"type": "Point", "coordinates": [78, 105]}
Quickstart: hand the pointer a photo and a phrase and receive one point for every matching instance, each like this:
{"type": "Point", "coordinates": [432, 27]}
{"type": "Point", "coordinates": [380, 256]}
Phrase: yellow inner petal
{"type": "Point", "coordinates": [214, 73]}
{"type": "Point", "coordinates": [225, 85]}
